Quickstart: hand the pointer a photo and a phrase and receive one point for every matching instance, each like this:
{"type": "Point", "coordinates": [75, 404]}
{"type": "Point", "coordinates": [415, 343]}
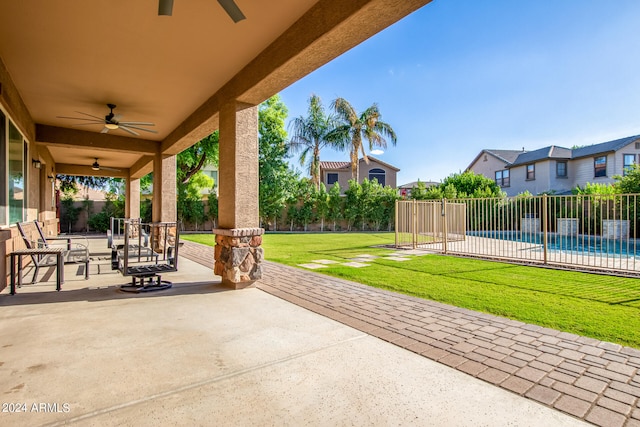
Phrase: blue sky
{"type": "Point", "coordinates": [458, 76]}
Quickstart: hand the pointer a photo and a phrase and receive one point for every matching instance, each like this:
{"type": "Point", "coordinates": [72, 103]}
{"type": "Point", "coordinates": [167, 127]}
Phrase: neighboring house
{"type": "Point", "coordinates": [212, 172]}
{"type": "Point", "coordinates": [340, 172]}
{"type": "Point", "coordinates": [557, 169]}
{"type": "Point", "coordinates": [405, 190]}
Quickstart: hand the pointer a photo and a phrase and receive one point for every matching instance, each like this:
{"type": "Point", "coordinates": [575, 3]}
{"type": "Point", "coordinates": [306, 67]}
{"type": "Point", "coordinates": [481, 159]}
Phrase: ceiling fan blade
{"type": "Point", "coordinates": [165, 7]}
{"type": "Point", "coordinates": [81, 118]}
{"type": "Point", "coordinates": [126, 129]}
{"type": "Point", "coordinates": [91, 115]}
{"type": "Point", "coordinates": [109, 169]}
{"type": "Point", "coordinates": [137, 123]}
{"type": "Point", "coordinates": [232, 10]}
{"type": "Point", "coordinates": [86, 124]}
{"type": "Point", "coordinates": [137, 128]}
{"type": "Point", "coordinates": [104, 130]}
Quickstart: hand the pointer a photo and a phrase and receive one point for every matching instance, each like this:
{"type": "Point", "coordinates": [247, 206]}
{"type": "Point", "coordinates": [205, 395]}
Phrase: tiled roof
{"type": "Point", "coordinates": [335, 165]}
{"type": "Point", "coordinates": [347, 165]}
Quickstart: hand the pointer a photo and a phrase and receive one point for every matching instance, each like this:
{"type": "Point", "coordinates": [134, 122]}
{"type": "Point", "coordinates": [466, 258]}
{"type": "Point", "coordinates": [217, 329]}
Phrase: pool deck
{"type": "Point", "coordinates": [534, 252]}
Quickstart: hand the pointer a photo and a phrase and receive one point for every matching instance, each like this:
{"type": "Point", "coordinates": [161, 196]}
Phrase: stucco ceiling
{"type": "Point", "coordinates": [71, 56]}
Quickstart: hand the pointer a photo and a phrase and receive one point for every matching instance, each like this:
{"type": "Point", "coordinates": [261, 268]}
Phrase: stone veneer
{"type": "Point", "coordinates": [238, 256]}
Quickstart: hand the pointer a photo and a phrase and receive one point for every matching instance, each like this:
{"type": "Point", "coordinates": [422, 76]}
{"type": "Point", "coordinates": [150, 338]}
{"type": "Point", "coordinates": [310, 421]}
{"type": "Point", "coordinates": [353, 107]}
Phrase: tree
{"type": "Point", "coordinates": [354, 129]}
{"type": "Point", "coordinates": [469, 184]}
{"type": "Point", "coordinates": [69, 182]}
{"type": "Point", "coordinates": [630, 182]}
{"type": "Point", "coordinates": [193, 159]}
{"type": "Point", "coordinates": [310, 135]}
{"type": "Point", "coordinates": [335, 205]}
{"type": "Point", "coordinates": [212, 202]}
{"type": "Point", "coordinates": [419, 192]}
{"type": "Point", "coordinates": [276, 179]}
{"type": "Point", "coordinates": [352, 201]}
{"type": "Point", "coordinates": [322, 204]}
{"type": "Point", "coordinates": [70, 212]}
{"type": "Point", "coordinates": [189, 198]}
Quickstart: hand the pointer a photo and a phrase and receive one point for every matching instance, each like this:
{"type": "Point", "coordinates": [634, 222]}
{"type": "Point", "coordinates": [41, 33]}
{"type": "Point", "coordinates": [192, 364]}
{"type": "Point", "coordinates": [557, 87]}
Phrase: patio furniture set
{"type": "Point", "coordinates": [140, 250]}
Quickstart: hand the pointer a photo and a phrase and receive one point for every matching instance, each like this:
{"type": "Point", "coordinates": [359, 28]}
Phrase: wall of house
{"type": "Point", "coordinates": [541, 183]}
{"type": "Point", "coordinates": [487, 165]}
{"type": "Point", "coordinates": [560, 185]}
{"type": "Point", "coordinates": [618, 158]}
{"type": "Point", "coordinates": [582, 170]}
{"type": "Point", "coordinates": [390, 174]}
{"type": "Point", "coordinates": [38, 190]}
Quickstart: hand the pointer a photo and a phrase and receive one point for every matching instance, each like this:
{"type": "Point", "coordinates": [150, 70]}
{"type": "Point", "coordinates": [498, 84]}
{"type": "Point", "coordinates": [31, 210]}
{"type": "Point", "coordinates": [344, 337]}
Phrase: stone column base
{"type": "Point", "coordinates": [238, 256]}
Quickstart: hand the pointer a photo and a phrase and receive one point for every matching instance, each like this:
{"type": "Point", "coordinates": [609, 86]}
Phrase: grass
{"type": "Point", "coordinates": [598, 306]}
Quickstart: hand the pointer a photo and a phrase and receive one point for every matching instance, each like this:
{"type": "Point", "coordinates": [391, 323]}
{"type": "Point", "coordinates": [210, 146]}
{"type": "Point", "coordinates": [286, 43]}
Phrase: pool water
{"type": "Point", "coordinates": [580, 243]}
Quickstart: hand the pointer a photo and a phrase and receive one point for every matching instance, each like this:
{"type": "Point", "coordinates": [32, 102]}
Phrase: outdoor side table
{"type": "Point", "coordinates": [36, 252]}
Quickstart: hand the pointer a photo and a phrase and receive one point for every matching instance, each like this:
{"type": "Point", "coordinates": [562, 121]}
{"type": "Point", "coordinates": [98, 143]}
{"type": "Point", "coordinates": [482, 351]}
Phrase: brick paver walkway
{"type": "Point", "coordinates": [587, 378]}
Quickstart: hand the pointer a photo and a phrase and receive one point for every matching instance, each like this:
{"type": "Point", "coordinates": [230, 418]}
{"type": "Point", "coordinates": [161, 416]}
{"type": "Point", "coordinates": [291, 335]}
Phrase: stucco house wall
{"type": "Point", "coordinates": [343, 169]}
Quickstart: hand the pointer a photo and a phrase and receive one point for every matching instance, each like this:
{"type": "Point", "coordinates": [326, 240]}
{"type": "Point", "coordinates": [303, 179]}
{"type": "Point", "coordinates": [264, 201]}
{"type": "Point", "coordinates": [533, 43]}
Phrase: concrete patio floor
{"type": "Point", "coordinates": [199, 354]}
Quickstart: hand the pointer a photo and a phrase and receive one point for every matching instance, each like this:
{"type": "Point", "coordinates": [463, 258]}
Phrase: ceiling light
{"type": "Point", "coordinates": [111, 126]}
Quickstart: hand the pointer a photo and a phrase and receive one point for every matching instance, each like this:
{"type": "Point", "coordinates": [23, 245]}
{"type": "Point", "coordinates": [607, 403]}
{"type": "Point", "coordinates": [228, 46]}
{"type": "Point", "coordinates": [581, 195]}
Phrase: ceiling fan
{"type": "Point", "coordinates": [165, 7]}
{"type": "Point", "coordinates": [96, 167]}
{"type": "Point", "coordinates": [112, 122]}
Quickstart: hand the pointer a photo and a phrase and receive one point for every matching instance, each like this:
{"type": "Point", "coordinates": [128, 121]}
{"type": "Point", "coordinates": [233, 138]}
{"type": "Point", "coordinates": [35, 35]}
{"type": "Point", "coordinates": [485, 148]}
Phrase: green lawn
{"type": "Point", "coordinates": [598, 306]}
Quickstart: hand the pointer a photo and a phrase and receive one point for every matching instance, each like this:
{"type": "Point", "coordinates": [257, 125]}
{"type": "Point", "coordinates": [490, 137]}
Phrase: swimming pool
{"type": "Point", "coordinates": [579, 243]}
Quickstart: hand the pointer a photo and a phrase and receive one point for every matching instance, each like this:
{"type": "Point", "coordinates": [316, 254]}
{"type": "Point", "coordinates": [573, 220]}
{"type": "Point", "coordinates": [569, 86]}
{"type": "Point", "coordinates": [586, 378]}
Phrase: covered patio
{"type": "Point", "coordinates": [162, 82]}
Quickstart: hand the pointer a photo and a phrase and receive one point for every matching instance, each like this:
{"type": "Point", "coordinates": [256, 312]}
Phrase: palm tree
{"type": "Point", "coordinates": [356, 128]}
{"type": "Point", "coordinates": [310, 135]}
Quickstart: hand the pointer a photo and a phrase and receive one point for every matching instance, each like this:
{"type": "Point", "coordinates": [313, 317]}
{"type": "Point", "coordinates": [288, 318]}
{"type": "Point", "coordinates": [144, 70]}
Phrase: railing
{"type": "Point", "coordinates": [596, 232]}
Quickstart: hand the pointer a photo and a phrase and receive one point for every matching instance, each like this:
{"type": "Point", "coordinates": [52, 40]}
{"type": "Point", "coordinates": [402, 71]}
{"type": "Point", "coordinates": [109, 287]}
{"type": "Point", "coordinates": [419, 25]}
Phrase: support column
{"type": "Point", "coordinates": [164, 189]}
{"type": "Point", "coordinates": [132, 198]}
{"type": "Point", "coordinates": [238, 255]}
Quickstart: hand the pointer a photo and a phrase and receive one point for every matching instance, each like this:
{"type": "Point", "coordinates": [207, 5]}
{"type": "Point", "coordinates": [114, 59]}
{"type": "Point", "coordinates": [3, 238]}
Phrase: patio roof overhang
{"type": "Point", "coordinates": [62, 57]}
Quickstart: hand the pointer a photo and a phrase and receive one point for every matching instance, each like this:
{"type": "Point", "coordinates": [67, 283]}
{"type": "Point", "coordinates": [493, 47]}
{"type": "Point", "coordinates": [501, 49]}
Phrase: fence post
{"type": "Point", "coordinates": [414, 222]}
{"type": "Point", "coordinates": [545, 226]}
{"type": "Point", "coordinates": [444, 225]}
{"type": "Point", "coordinates": [396, 218]}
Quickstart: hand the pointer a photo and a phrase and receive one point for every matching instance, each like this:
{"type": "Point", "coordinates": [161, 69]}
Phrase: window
{"type": "Point", "coordinates": [600, 166]}
{"type": "Point", "coordinates": [502, 178]}
{"type": "Point", "coordinates": [531, 172]}
{"type": "Point", "coordinates": [17, 174]}
{"type": "Point", "coordinates": [3, 175]}
{"type": "Point", "coordinates": [378, 174]}
{"type": "Point", "coordinates": [561, 169]}
{"type": "Point", "coordinates": [332, 177]}
{"type": "Point", "coordinates": [628, 161]}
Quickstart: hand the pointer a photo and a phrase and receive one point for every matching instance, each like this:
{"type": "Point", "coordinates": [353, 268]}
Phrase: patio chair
{"type": "Point", "coordinates": [115, 233]}
{"type": "Point", "coordinates": [149, 249]}
{"type": "Point", "coordinates": [74, 252]}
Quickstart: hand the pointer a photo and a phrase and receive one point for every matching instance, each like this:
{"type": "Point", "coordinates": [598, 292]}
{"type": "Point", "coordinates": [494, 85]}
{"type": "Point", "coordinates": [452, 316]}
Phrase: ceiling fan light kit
{"type": "Point", "coordinates": [96, 166]}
